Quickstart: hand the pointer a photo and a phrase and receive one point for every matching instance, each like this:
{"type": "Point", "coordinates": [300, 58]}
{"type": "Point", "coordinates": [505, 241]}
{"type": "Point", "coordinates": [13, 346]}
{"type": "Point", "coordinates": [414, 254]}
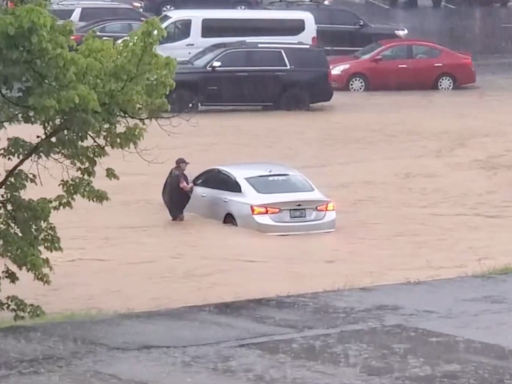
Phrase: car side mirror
{"type": "Point", "coordinates": [215, 64]}
{"type": "Point", "coordinates": [377, 59]}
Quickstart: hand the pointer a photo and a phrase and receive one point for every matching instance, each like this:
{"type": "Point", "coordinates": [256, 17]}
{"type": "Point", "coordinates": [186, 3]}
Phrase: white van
{"type": "Point", "coordinates": [189, 30]}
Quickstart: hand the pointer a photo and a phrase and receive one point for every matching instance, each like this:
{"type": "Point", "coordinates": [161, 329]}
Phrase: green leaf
{"type": "Point", "coordinates": [87, 102]}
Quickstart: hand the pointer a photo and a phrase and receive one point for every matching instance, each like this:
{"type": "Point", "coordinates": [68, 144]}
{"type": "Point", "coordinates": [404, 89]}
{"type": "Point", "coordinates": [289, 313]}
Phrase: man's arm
{"type": "Point", "coordinates": [184, 185]}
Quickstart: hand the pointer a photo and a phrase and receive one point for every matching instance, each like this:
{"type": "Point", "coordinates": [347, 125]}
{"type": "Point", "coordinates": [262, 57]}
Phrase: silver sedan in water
{"type": "Point", "coordinates": [269, 198]}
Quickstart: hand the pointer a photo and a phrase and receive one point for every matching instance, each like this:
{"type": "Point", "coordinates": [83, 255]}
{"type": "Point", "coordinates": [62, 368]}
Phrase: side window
{"type": "Point", "coordinates": [212, 28]}
{"type": "Point", "coordinates": [116, 28]}
{"type": "Point", "coordinates": [177, 31]}
{"type": "Point", "coordinates": [424, 52]}
{"type": "Point", "coordinates": [136, 26]}
{"type": "Point", "coordinates": [266, 59]}
{"type": "Point", "coordinates": [205, 179]}
{"type": "Point", "coordinates": [307, 58]}
{"type": "Point", "coordinates": [344, 18]}
{"type": "Point", "coordinates": [62, 14]}
{"type": "Point", "coordinates": [224, 182]}
{"type": "Point", "coordinates": [92, 14]}
{"type": "Point", "coordinates": [400, 52]}
{"type": "Point", "coordinates": [233, 59]}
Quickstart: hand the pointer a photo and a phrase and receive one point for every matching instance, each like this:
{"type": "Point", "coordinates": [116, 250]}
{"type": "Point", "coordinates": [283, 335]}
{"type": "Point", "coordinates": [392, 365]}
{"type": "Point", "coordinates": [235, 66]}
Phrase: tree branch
{"type": "Point", "coordinates": [29, 154]}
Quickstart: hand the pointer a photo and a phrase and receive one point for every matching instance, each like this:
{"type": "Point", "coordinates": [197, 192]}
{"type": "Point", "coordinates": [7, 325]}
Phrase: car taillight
{"type": "Point", "coordinates": [76, 38]}
{"type": "Point", "coordinates": [264, 210]}
{"type": "Point", "coordinates": [314, 41]}
{"type": "Point", "coordinates": [326, 207]}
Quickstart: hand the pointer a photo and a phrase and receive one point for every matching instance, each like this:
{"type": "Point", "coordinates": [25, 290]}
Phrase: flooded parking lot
{"type": "Point", "coordinates": [422, 182]}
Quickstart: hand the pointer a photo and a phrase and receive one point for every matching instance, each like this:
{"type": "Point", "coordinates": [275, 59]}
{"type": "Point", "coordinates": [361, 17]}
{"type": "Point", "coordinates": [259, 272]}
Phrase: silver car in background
{"type": "Point", "coordinates": [269, 198]}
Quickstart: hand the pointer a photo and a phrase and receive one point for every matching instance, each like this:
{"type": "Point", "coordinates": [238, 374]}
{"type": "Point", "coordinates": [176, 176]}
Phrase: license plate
{"type": "Point", "coordinates": [297, 213]}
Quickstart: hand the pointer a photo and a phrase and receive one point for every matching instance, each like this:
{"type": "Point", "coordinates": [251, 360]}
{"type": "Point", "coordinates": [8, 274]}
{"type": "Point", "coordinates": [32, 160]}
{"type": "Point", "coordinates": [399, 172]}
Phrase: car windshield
{"type": "Point", "coordinates": [164, 18]}
{"type": "Point", "coordinates": [367, 51]}
{"type": "Point", "coordinates": [273, 184]}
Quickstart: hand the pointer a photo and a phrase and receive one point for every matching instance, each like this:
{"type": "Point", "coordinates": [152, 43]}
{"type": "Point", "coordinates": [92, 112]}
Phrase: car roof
{"type": "Point", "coordinates": [88, 4]}
{"type": "Point", "coordinates": [406, 41]}
{"type": "Point", "coordinates": [263, 44]}
{"type": "Point", "coordinates": [245, 170]}
{"type": "Point", "coordinates": [236, 13]}
{"type": "Point", "coordinates": [309, 4]}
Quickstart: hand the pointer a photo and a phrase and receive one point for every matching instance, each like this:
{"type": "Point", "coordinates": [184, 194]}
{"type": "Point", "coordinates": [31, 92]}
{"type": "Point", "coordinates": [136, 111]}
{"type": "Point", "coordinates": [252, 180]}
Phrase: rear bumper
{"type": "Point", "coordinates": [266, 225]}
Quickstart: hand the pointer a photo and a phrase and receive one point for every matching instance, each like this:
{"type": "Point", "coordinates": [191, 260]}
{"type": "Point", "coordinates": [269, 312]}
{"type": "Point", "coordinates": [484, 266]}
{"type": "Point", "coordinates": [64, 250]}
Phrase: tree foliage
{"type": "Point", "coordinates": [87, 101]}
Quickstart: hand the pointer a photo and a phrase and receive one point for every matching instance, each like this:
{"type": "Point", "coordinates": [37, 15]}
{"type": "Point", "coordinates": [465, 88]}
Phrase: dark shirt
{"type": "Point", "coordinates": [172, 190]}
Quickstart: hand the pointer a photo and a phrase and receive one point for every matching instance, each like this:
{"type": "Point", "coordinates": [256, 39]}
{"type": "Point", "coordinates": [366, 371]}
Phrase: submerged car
{"type": "Point", "coordinates": [269, 198]}
{"type": "Point", "coordinates": [402, 64]}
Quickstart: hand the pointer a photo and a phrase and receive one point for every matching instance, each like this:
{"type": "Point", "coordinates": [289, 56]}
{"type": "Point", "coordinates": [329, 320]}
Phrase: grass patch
{"type": "Point", "coordinates": [497, 271]}
{"type": "Point", "coordinates": [52, 318]}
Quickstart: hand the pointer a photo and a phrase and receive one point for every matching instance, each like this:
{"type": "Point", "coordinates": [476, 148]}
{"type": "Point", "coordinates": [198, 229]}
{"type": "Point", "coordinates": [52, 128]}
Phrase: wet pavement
{"type": "Point", "coordinates": [448, 331]}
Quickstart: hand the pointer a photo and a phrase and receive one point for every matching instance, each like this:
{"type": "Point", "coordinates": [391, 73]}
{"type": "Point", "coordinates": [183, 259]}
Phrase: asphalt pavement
{"type": "Point", "coordinates": [449, 331]}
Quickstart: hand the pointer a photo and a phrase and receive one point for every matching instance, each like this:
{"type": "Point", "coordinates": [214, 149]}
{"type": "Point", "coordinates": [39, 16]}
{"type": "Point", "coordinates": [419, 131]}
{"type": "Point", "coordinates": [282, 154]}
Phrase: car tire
{"type": "Point", "coordinates": [166, 6]}
{"type": "Point", "coordinates": [294, 99]}
{"type": "Point", "coordinates": [437, 3]}
{"type": "Point", "coordinates": [183, 101]}
{"type": "Point", "coordinates": [242, 5]}
{"type": "Point", "coordinates": [445, 82]}
{"type": "Point", "coordinates": [230, 220]}
{"type": "Point", "coordinates": [358, 83]}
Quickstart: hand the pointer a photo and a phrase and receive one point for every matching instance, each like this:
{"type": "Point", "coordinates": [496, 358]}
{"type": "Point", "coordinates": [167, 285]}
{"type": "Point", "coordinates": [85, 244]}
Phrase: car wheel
{"type": "Point", "coordinates": [166, 7]}
{"type": "Point", "coordinates": [358, 83]}
{"type": "Point", "coordinates": [230, 220]}
{"type": "Point", "coordinates": [241, 5]}
{"type": "Point", "coordinates": [294, 99]}
{"type": "Point", "coordinates": [437, 3]}
{"type": "Point", "coordinates": [445, 82]}
{"type": "Point", "coordinates": [183, 101]}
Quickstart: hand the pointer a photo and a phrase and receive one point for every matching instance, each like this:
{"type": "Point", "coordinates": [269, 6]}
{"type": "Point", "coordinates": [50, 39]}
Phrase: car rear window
{"type": "Point", "coordinates": [272, 184]}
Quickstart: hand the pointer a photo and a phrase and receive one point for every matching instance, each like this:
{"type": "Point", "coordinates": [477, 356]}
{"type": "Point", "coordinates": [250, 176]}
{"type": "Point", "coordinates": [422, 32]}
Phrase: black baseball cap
{"type": "Point", "coordinates": [181, 160]}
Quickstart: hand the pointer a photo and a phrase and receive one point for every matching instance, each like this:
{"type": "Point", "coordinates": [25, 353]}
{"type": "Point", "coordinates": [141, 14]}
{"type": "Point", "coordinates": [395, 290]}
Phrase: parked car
{"type": "Point", "coordinates": [339, 30]}
{"type": "Point", "coordinates": [113, 29]}
{"type": "Point", "coordinates": [159, 7]}
{"type": "Point", "coordinates": [270, 198]}
{"type": "Point", "coordinates": [402, 64]}
{"type": "Point", "coordinates": [189, 31]}
{"type": "Point", "coordinates": [288, 76]}
{"type": "Point", "coordinates": [81, 12]}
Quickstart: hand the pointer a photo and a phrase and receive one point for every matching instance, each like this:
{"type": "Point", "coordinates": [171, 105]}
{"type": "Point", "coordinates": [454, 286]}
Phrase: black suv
{"type": "Point", "coordinates": [339, 30]}
{"type": "Point", "coordinates": [280, 75]}
{"type": "Point", "coordinates": [159, 7]}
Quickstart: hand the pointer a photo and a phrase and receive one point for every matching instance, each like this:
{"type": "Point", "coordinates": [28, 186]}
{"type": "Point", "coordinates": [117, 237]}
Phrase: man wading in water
{"type": "Point", "coordinates": [177, 190]}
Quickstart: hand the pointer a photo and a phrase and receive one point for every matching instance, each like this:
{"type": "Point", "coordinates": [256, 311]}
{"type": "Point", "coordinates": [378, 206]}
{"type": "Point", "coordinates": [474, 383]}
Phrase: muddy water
{"type": "Point", "coordinates": [422, 181]}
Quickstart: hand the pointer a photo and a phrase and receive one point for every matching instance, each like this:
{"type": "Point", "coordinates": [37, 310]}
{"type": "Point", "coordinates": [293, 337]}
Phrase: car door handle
{"type": "Point", "coordinates": [203, 194]}
{"type": "Point", "coordinates": [438, 65]}
{"type": "Point", "coordinates": [242, 74]}
{"type": "Point", "coordinates": [225, 200]}
{"type": "Point", "coordinates": [189, 45]}
{"type": "Point", "coordinates": [402, 66]}
{"type": "Point", "coordinates": [279, 73]}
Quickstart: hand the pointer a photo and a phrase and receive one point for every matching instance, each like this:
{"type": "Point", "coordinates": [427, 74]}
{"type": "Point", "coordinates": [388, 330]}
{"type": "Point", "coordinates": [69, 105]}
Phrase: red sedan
{"type": "Point", "coordinates": [402, 64]}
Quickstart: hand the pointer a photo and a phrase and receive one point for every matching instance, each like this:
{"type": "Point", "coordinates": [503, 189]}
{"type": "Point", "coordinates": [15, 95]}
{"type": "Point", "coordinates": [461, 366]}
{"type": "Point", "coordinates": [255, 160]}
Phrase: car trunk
{"type": "Point", "coordinates": [297, 210]}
